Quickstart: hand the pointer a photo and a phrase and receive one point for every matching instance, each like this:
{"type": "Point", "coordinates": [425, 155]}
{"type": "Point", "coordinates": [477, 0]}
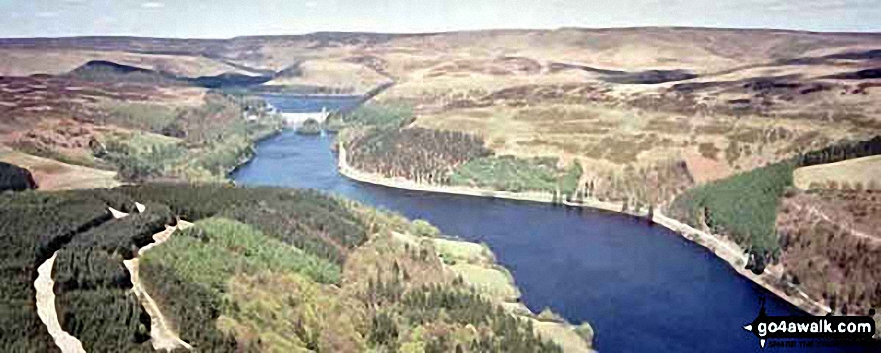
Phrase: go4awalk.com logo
{"type": "Point", "coordinates": [828, 328]}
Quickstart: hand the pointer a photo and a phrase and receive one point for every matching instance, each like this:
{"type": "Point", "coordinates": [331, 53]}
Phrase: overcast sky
{"type": "Point", "coordinates": [229, 18]}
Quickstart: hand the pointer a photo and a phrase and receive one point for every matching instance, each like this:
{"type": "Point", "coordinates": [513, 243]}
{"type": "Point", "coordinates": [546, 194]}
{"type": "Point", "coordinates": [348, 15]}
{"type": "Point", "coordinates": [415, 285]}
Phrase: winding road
{"type": "Point", "coordinates": [46, 309]}
{"type": "Point", "coordinates": [161, 334]}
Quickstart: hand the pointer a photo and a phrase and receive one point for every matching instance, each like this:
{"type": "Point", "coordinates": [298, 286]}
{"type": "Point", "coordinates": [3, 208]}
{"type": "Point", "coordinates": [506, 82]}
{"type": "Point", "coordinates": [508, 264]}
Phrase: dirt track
{"type": "Point", "coordinates": [161, 334]}
{"type": "Point", "coordinates": [46, 309]}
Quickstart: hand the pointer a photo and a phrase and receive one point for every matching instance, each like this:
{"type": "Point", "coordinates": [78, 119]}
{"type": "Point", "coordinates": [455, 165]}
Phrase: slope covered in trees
{"type": "Point", "coordinates": [32, 227]}
{"type": "Point", "coordinates": [188, 276]}
{"type": "Point", "coordinates": [306, 219]}
{"type": "Point", "coordinates": [379, 140]}
{"type": "Point", "coordinates": [829, 247]}
{"type": "Point", "coordinates": [263, 270]}
{"type": "Point", "coordinates": [414, 153]}
{"type": "Point", "coordinates": [201, 143]}
{"type": "Point", "coordinates": [841, 151]}
{"type": "Point", "coordinates": [13, 177]}
{"type": "Point", "coordinates": [94, 301]}
{"type": "Point", "coordinates": [743, 207]}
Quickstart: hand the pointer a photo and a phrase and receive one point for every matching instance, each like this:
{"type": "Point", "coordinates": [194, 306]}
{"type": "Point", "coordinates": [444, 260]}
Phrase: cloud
{"type": "Point", "coordinates": [46, 14]}
{"type": "Point", "coordinates": [106, 20]}
{"type": "Point", "coordinates": [311, 3]}
{"type": "Point", "coordinates": [152, 5]}
{"type": "Point", "coordinates": [812, 5]}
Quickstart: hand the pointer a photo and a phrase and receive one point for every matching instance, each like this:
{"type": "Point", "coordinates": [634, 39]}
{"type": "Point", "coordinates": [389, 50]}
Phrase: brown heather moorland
{"type": "Point", "coordinates": [646, 112]}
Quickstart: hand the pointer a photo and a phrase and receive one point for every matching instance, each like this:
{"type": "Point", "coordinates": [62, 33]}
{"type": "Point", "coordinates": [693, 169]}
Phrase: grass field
{"type": "Point", "coordinates": [53, 175]}
{"type": "Point", "coordinates": [463, 251]}
{"type": "Point", "coordinates": [566, 336]}
{"type": "Point", "coordinates": [517, 174]}
{"type": "Point", "coordinates": [858, 173]}
{"type": "Point", "coordinates": [488, 280]}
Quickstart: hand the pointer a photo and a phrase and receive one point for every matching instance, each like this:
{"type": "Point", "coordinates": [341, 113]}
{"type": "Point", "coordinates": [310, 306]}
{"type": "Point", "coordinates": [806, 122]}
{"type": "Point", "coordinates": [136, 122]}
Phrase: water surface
{"type": "Point", "coordinates": [642, 288]}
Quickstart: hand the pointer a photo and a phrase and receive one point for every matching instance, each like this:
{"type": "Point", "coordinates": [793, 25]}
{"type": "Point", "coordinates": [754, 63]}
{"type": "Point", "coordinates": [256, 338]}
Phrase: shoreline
{"type": "Point", "coordinates": [720, 246]}
{"type": "Point", "coordinates": [556, 329]}
{"type": "Point", "coordinates": [246, 158]}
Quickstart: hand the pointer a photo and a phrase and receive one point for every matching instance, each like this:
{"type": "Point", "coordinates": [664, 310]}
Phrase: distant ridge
{"type": "Point", "coordinates": [107, 71]}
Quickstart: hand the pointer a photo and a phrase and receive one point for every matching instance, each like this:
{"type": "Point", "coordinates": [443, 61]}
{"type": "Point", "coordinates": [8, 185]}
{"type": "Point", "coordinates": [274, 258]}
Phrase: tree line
{"type": "Point", "coordinates": [423, 155]}
{"type": "Point", "coordinates": [95, 303]}
{"type": "Point", "coordinates": [15, 178]}
{"type": "Point", "coordinates": [32, 227]}
{"type": "Point", "coordinates": [841, 151]}
{"type": "Point", "coordinates": [319, 224]}
{"type": "Point", "coordinates": [743, 206]}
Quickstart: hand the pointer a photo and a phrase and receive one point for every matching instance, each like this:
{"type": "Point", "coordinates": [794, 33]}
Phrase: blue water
{"type": "Point", "coordinates": [642, 288]}
{"type": "Point", "coordinates": [306, 104]}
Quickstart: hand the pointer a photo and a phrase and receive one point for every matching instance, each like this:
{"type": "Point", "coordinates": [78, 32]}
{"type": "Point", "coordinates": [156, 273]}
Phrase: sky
{"type": "Point", "coordinates": [230, 18]}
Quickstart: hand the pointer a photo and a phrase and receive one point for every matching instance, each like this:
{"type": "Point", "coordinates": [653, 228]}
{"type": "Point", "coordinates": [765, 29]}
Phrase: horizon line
{"type": "Point", "coordinates": [428, 33]}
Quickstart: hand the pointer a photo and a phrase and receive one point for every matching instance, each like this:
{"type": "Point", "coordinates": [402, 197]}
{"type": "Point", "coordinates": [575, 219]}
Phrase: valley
{"type": "Point", "coordinates": [765, 140]}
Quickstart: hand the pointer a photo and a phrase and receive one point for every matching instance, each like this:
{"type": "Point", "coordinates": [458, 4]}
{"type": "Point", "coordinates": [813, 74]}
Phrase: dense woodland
{"type": "Point", "coordinates": [743, 207]}
{"type": "Point", "coordinates": [841, 151]}
{"type": "Point", "coordinates": [15, 178]}
{"type": "Point", "coordinates": [32, 227]}
{"type": "Point", "coordinates": [306, 219]}
{"type": "Point", "coordinates": [251, 250]}
{"type": "Point", "coordinates": [415, 153]}
{"type": "Point", "coordinates": [190, 276]}
{"type": "Point", "coordinates": [94, 300]}
{"type": "Point", "coordinates": [439, 305]}
{"type": "Point", "coordinates": [379, 140]}
{"type": "Point", "coordinates": [206, 142]}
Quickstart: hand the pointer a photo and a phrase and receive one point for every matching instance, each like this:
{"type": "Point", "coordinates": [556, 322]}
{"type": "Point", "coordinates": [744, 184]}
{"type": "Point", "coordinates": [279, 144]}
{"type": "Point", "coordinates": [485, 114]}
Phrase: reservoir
{"type": "Point", "coordinates": [643, 288]}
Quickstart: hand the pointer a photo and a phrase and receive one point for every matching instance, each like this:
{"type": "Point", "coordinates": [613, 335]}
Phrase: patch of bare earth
{"type": "Point", "coordinates": [704, 169]}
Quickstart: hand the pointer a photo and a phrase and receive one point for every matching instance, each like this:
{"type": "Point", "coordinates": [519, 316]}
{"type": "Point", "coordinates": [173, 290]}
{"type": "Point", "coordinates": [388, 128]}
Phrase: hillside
{"type": "Point", "coordinates": [859, 174]}
{"type": "Point", "coordinates": [260, 270]}
{"type": "Point", "coordinates": [141, 123]}
{"type": "Point", "coordinates": [49, 174]}
{"type": "Point", "coordinates": [755, 135]}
